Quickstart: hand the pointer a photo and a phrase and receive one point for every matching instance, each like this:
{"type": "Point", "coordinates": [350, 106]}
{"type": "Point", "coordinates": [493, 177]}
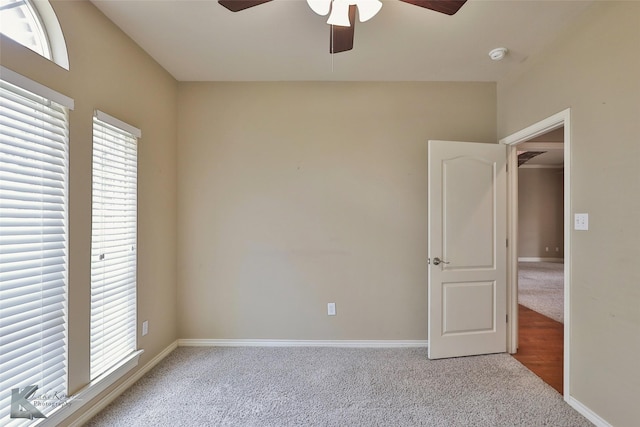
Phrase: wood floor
{"type": "Point", "coordinates": [540, 346]}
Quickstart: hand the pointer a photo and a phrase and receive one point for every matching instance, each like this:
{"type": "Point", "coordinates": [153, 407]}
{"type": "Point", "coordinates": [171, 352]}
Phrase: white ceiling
{"type": "Point", "coordinates": [286, 41]}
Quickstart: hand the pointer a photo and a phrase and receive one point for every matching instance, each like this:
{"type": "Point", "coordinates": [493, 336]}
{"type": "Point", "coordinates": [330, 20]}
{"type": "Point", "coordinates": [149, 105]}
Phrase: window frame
{"type": "Point", "coordinates": [114, 159]}
{"type": "Point", "coordinates": [51, 138]}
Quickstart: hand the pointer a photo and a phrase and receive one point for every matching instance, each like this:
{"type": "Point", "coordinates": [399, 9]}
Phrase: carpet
{"type": "Point", "coordinates": [541, 288]}
{"type": "Point", "coordinates": [266, 386]}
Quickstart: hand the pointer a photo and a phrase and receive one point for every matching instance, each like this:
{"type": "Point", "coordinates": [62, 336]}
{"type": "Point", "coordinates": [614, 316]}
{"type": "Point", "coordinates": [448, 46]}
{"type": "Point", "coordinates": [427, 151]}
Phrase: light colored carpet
{"type": "Point", "coordinates": [541, 288]}
{"type": "Point", "coordinates": [253, 386]}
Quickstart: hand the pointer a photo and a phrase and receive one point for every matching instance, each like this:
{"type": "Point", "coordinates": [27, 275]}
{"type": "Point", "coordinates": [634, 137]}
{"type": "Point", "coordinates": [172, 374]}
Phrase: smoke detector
{"type": "Point", "coordinates": [498, 53]}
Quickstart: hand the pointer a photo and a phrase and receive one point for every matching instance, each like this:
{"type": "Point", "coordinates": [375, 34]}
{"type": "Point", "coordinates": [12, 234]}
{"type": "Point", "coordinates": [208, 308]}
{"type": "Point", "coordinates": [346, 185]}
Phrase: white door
{"type": "Point", "coordinates": [467, 249]}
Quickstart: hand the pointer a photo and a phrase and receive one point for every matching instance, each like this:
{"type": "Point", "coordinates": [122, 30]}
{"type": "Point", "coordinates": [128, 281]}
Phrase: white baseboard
{"type": "Point", "coordinates": [110, 397]}
{"type": "Point", "coordinates": [539, 259]}
{"type": "Point", "coordinates": [301, 343]}
{"type": "Point", "coordinates": [586, 412]}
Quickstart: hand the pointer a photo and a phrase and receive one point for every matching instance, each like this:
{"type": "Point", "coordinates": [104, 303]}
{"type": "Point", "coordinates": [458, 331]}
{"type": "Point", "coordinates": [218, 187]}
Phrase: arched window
{"type": "Point", "coordinates": [34, 25]}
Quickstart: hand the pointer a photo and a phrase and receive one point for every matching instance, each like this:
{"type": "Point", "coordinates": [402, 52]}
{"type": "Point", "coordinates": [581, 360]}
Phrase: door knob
{"type": "Point", "coordinates": [438, 261]}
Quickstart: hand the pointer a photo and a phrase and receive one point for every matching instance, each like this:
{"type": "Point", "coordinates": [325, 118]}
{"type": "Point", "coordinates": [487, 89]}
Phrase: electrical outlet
{"type": "Point", "coordinates": [581, 221]}
{"type": "Point", "coordinates": [546, 249]}
{"type": "Point", "coordinates": [331, 309]}
{"type": "Point", "coordinates": [145, 327]}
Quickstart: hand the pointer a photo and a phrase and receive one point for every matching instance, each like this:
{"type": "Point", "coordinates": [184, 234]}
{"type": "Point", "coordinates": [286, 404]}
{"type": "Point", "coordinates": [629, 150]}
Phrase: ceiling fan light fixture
{"type": "Point", "coordinates": [342, 15]}
{"type": "Point", "coordinates": [338, 10]}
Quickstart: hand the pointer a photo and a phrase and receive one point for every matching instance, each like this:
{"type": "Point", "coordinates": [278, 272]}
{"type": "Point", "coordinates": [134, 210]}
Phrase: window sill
{"type": "Point", "coordinates": [92, 390]}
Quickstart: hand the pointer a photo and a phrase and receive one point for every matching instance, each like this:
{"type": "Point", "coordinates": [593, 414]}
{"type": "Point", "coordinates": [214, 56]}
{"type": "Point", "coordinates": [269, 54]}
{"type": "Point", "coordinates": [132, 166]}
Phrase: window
{"type": "Point", "coordinates": [34, 25]}
{"type": "Point", "coordinates": [33, 244]}
{"type": "Point", "coordinates": [21, 22]}
{"type": "Point", "coordinates": [113, 243]}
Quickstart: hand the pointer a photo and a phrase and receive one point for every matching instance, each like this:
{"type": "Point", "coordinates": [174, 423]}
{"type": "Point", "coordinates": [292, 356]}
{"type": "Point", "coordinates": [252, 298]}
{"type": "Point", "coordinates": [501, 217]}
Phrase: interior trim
{"type": "Point", "coordinates": [33, 86]}
{"type": "Point", "coordinates": [586, 412]}
{"type": "Point", "coordinates": [74, 402]}
{"type": "Point", "coordinates": [301, 343]}
{"type": "Point", "coordinates": [93, 410]}
{"type": "Point", "coordinates": [561, 119]}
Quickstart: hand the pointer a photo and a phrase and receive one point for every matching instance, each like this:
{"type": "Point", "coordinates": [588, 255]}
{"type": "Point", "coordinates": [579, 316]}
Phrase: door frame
{"type": "Point", "coordinates": [558, 120]}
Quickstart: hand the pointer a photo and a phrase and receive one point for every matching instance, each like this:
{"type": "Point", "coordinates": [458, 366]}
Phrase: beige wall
{"type": "Point", "coordinates": [540, 213]}
{"type": "Point", "coordinates": [594, 69]}
{"type": "Point", "coordinates": [109, 72]}
{"type": "Point", "coordinates": [293, 195]}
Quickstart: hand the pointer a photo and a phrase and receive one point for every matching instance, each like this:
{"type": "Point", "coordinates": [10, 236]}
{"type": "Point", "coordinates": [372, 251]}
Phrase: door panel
{"type": "Point", "coordinates": [473, 299]}
{"type": "Point", "coordinates": [463, 192]}
{"type": "Point", "coordinates": [467, 231]}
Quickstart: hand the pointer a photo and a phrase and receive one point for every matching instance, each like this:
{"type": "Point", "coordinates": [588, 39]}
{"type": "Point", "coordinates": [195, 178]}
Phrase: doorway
{"type": "Point", "coordinates": [541, 256]}
{"type": "Point", "coordinates": [559, 123]}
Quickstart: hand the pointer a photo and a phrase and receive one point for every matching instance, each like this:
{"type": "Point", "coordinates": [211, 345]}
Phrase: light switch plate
{"type": "Point", "coordinates": [331, 309]}
{"type": "Point", "coordinates": [581, 221]}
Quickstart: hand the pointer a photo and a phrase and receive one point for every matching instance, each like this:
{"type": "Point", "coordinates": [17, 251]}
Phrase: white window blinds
{"type": "Point", "coordinates": [113, 243]}
{"type": "Point", "coordinates": [33, 247]}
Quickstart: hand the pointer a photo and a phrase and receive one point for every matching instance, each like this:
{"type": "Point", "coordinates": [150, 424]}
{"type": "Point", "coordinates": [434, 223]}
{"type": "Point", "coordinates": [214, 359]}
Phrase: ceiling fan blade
{"type": "Point", "coordinates": [448, 7]}
{"type": "Point", "coordinates": [238, 5]}
{"type": "Point", "coordinates": [341, 38]}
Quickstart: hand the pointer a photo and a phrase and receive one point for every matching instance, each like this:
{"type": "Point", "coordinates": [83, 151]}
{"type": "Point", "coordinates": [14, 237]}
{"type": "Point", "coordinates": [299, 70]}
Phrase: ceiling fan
{"type": "Point", "coordinates": [342, 27]}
